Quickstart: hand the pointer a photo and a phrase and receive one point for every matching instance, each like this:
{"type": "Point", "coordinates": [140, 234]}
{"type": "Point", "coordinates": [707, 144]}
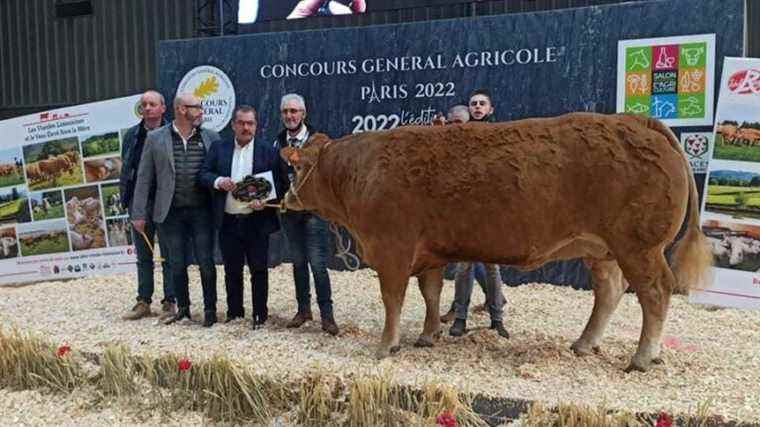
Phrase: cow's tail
{"type": "Point", "coordinates": [691, 254]}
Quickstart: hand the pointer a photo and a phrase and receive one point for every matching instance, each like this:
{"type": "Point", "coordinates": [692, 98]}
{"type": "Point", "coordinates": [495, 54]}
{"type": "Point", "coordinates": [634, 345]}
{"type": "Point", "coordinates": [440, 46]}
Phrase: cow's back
{"type": "Point", "coordinates": [525, 186]}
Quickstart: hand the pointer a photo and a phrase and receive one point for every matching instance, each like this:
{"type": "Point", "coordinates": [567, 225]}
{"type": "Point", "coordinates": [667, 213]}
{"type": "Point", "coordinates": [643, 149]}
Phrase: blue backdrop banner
{"type": "Point", "coordinates": [372, 78]}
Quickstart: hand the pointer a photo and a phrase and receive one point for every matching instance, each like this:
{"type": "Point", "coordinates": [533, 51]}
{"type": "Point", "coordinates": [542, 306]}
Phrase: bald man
{"type": "Point", "coordinates": [171, 162]}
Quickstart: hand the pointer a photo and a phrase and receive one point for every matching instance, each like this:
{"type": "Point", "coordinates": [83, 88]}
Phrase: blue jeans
{"type": "Point", "coordinates": [307, 243]}
{"type": "Point", "coordinates": [145, 266]}
{"type": "Point", "coordinates": [181, 225]}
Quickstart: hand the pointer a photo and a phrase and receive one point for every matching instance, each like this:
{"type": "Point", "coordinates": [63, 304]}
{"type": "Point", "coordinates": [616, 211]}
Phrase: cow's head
{"type": "Point", "coordinates": [302, 194]}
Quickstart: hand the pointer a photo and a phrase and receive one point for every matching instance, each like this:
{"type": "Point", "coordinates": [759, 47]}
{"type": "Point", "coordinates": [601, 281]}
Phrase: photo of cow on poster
{"type": "Point", "coordinates": [11, 167]}
{"type": "Point", "coordinates": [112, 200]}
{"type": "Point", "coordinates": [119, 232]}
{"type": "Point", "coordinates": [8, 243]}
{"type": "Point", "coordinates": [53, 164]}
{"type": "Point", "coordinates": [47, 205]}
{"type": "Point", "coordinates": [41, 238]}
{"type": "Point", "coordinates": [84, 216]}
{"type": "Point", "coordinates": [734, 246]}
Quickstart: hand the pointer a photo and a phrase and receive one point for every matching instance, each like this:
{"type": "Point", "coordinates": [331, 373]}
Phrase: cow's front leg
{"type": "Point", "coordinates": [431, 283]}
{"type": "Point", "coordinates": [393, 288]}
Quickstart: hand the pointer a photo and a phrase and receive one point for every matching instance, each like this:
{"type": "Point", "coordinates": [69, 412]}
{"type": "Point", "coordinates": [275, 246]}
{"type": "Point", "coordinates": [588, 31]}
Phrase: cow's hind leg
{"type": "Point", "coordinates": [651, 278]}
{"type": "Point", "coordinates": [431, 283]}
{"type": "Point", "coordinates": [393, 285]}
{"type": "Point", "coordinates": [609, 286]}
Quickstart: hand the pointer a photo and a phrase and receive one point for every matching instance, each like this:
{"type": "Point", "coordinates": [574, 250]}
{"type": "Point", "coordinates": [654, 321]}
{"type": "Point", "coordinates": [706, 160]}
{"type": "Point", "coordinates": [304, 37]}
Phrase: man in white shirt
{"type": "Point", "coordinates": [243, 227]}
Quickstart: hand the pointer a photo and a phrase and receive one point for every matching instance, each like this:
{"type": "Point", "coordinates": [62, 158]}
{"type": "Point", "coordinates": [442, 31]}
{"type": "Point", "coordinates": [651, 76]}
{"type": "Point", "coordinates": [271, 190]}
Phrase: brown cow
{"type": "Point", "coordinates": [613, 190]}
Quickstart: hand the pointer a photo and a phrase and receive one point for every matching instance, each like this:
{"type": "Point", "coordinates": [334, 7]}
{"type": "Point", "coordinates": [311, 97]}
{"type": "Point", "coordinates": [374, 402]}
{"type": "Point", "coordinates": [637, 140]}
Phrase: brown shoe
{"type": "Point", "coordinates": [140, 310]}
{"type": "Point", "coordinates": [168, 309]}
{"type": "Point", "coordinates": [329, 326]}
{"type": "Point", "coordinates": [448, 317]}
{"type": "Point", "coordinates": [299, 319]}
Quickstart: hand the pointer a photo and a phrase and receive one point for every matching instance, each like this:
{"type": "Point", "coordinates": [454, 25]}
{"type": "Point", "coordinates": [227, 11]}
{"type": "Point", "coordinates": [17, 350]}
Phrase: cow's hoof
{"type": "Point", "coordinates": [424, 342]}
{"type": "Point", "coordinates": [658, 361]}
{"type": "Point", "coordinates": [384, 352]}
{"type": "Point", "coordinates": [633, 367]}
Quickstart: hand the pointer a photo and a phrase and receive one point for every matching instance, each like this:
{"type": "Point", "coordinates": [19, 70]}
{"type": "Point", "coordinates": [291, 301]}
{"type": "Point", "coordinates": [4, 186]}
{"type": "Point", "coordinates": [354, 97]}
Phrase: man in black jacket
{"type": "Point", "coordinates": [305, 231]}
{"type": "Point", "coordinates": [243, 227]}
{"type": "Point", "coordinates": [153, 108]}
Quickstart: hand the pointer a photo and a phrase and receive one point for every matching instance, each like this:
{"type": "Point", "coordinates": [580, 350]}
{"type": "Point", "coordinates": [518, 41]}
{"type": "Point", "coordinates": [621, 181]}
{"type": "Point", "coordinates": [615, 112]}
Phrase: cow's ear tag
{"type": "Point", "coordinates": [294, 158]}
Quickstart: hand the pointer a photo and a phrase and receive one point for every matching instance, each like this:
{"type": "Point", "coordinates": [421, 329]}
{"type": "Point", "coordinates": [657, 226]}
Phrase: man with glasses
{"type": "Point", "coordinates": [305, 231]}
{"type": "Point", "coordinates": [171, 162]}
{"type": "Point", "coordinates": [243, 227]}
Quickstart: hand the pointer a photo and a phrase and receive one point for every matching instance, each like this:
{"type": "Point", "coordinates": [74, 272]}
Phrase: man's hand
{"type": "Point", "coordinates": [226, 184]}
{"type": "Point", "coordinates": [257, 205]}
{"type": "Point", "coordinates": [439, 119]}
{"type": "Point", "coordinates": [139, 225]}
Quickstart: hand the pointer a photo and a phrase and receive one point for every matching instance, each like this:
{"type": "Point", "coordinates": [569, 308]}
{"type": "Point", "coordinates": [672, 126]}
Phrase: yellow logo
{"type": "Point", "coordinates": [207, 88]}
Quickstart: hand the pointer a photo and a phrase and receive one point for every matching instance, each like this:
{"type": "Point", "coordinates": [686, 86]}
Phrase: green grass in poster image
{"type": "Point", "coordinates": [739, 202]}
{"type": "Point", "coordinates": [14, 178]}
{"type": "Point", "coordinates": [14, 211]}
{"type": "Point", "coordinates": [725, 151]}
{"type": "Point", "coordinates": [52, 213]}
{"type": "Point", "coordinates": [99, 145]}
{"type": "Point", "coordinates": [47, 245]}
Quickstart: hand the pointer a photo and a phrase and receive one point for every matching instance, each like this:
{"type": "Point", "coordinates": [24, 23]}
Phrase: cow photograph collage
{"type": "Point", "coordinates": [62, 195]}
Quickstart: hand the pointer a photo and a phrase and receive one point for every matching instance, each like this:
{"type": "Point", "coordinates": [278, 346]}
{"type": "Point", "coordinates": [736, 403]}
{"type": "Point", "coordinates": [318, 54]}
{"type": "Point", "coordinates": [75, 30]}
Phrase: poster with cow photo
{"type": "Point", "coordinates": [59, 171]}
{"type": "Point", "coordinates": [731, 206]}
{"type": "Point", "coordinates": [53, 164]}
{"type": "Point", "coordinates": [84, 215]}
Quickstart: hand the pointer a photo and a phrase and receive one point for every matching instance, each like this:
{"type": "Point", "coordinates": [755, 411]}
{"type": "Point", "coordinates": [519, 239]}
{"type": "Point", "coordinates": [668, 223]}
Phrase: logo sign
{"type": "Point", "coordinates": [215, 91]}
{"type": "Point", "coordinates": [745, 82]}
{"type": "Point", "coordinates": [668, 78]}
{"type": "Point", "coordinates": [697, 147]}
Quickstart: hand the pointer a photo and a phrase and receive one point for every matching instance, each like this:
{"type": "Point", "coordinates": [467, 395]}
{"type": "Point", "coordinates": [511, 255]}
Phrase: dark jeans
{"type": "Point", "coordinates": [242, 243]}
{"type": "Point", "coordinates": [307, 243]}
{"type": "Point", "coordinates": [145, 266]}
{"type": "Point", "coordinates": [181, 225]}
{"type": "Point", "coordinates": [463, 290]}
{"type": "Point", "coordinates": [477, 274]}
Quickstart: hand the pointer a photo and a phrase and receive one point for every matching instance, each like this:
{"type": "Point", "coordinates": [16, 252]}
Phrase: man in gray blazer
{"type": "Point", "coordinates": [171, 160]}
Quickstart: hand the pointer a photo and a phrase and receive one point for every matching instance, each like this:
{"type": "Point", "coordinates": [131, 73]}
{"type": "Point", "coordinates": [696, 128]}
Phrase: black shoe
{"type": "Point", "coordinates": [182, 313]}
{"type": "Point", "coordinates": [499, 327]}
{"type": "Point", "coordinates": [258, 322]}
{"type": "Point", "coordinates": [230, 318]}
{"type": "Point", "coordinates": [458, 328]}
{"type": "Point", "coordinates": [209, 318]}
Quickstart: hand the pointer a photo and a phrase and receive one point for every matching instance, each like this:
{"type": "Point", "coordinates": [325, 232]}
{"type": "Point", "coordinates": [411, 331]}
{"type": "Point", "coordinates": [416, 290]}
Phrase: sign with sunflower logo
{"type": "Point", "coordinates": [215, 91]}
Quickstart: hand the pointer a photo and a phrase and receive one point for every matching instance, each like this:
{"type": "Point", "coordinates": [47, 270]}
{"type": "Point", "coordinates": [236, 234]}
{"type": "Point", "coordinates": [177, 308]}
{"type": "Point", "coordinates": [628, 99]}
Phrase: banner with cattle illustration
{"type": "Point", "coordinates": [60, 214]}
{"type": "Point", "coordinates": [731, 208]}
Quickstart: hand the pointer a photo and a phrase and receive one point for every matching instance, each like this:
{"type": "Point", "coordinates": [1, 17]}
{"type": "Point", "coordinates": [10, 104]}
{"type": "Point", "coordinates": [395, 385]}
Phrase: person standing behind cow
{"type": "Point", "coordinates": [153, 108]}
{"type": "Point", "coordinates": [243, 228]}
{"type": "Point", "coordinates": [171, 161]}
{"type": "Point", "coordinates": [305, 231]}
{"type": "Point", "coordinates": [481, 110]}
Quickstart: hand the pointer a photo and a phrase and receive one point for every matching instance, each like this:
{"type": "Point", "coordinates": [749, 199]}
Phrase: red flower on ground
{"type": "Point", "coordinates": [63, 350]}
{"type": "Point", "coordinates": [446, 419]}
{"type": "Point", "coordinates": [185, 364]}
{"type": "Point", "coordinates": [664, 420]}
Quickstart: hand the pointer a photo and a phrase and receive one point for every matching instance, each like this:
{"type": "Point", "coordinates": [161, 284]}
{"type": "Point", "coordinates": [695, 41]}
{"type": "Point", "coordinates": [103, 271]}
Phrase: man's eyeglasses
{"type": "Point", "coordinates": [291, 110]}
{"type": "Point", "coordinates": [193, 106]}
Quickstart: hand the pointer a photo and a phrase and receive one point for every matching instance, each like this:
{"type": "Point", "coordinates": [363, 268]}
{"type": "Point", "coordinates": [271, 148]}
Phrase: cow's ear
{"type": "Point", "coordinates": [290, 154]}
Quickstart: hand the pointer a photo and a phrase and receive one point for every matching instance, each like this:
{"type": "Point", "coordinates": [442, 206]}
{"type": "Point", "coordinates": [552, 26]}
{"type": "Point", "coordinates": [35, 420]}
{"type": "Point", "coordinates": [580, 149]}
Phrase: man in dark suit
{"type": "Point", "coordinates": [243, 228]}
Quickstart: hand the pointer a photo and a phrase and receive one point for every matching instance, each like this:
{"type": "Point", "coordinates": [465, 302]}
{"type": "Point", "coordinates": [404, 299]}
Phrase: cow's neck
{"type": "Point", "coordinates": [332, 186]}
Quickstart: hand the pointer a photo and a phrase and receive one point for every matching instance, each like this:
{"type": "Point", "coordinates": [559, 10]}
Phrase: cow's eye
{"type": "Point", "coordinates": [298, 168]}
